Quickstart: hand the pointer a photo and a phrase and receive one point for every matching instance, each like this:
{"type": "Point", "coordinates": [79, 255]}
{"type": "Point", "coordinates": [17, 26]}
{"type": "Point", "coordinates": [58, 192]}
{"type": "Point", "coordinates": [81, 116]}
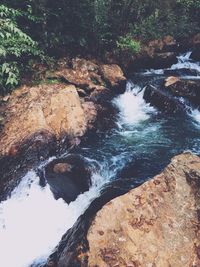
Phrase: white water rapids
{"type": "Point", "coordinates": [32, 222]}
{"type": "Point", "coordinates": [184, 62]}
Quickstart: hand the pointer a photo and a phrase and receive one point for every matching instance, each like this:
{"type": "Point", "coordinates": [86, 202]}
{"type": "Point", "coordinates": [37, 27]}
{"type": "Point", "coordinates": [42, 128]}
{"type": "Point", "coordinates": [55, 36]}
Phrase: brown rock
{"type": "Point", "coordinates": [56, 109]}
{"type": "Point", "coordinates": [171, 80]}
{"type": "Point", "coordinates": [155, 224]}
{"type": "Point", "coordinates": [36, 120]}
{"type": "Point", "coordinates": [89, 75]}
{"type": "Point", "coordinates": [112, 74]}
{"type": "Point", "coordinates": [189, 89]}
{"type": "Point", "coordinates": [61, 168]}
{"type": "Point", "coordinates": [196, 39]}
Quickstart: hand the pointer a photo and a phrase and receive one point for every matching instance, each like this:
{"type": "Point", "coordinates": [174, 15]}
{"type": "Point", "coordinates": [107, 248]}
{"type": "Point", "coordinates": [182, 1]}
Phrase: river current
{"type": "Point", "coordinates": [32, 222]}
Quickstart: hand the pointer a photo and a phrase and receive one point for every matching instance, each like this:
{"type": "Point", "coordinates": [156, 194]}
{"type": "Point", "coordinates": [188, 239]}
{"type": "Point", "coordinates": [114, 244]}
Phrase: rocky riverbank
{"type": "Point", "coordinates": [74, 100]}
{"type": "Point", "coordinates": [156, 224]}
{"type": "Point", "coordinates": [41, 121]}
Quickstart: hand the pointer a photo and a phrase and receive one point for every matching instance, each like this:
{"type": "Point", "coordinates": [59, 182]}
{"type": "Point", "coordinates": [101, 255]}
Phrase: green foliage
{"type": "Point", "coordinates": [85, 26]}
{"type": "Point", "coordinates": [15, 48]}
{"type": "Point", "coordinates": [129, 44]}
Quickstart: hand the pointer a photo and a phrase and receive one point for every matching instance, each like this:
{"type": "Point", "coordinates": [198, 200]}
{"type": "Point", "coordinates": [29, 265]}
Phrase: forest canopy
{"type": "Point", "coordinates": [39, 28]}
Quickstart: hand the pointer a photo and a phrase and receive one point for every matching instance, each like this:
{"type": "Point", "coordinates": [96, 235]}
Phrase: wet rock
{"type": "Point", "coordinates": [68, 177]}
{"type": "Point", "coordinates": [189, 89]}
{"type": "Point", "coordinates": [196, 53]}
{"type": "Point", "coordinates": [157, 54]}
{"type": "Point", "coordinates": [155, 224]}
{"type": "Point", "coordinates": [152, 60]}
{"type": "Point", "coordinates": [182, 72]}
{"type": "Point", "coordinates": [22, 157]}
{"type": "Point", "coordinates": [162, 100]}
{"type": "Point", "coordinates": [39, 118]}
{"type": "Point", "coordinates": [164, 60]}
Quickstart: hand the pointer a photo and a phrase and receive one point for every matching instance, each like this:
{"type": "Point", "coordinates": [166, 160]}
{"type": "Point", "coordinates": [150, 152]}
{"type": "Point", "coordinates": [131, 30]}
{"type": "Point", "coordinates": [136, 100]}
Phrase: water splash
{"type": "Point", "coordinates": [184, 62]}
{"type": "Point", "coordinates": [133, 108]}
{"type": "Point", "coordinates": [195, 115]}
{"type": "Point", "coordinates": [32, 222]}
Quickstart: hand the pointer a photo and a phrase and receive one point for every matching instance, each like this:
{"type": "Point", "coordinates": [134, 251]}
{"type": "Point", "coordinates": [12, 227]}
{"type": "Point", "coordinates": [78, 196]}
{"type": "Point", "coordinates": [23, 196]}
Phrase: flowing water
{"type": "Point", "coordinates": [32, 222]}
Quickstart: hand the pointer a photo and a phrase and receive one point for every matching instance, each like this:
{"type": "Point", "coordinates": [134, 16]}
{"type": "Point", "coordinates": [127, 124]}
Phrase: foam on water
{"type": "Point", "coordinates": [32, 222]}
{"type": "Point", "coordinates": [195, 114]}
{"type": "Point", "coordinates": [133, 108]}
{"type": "Point", "coordinates": [184, 62]}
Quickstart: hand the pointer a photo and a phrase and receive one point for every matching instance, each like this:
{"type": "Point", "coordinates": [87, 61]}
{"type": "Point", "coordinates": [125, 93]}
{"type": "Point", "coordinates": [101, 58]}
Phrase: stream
{"type": "Point", "coordinates": [144, 140]}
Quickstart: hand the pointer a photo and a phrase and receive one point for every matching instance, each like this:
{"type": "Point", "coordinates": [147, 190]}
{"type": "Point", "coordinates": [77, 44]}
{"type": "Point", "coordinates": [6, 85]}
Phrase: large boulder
{"type": "Point", "coordinates": [37, 119]}
{"type": "Point", "coordinates": [56, 109]}
{"type": "Point", "coordinates": [189, 89]}
{"type": "Point", "coordinates": [68, 177]}
{"type": "Point", "coordinates": [155, 224]}
{"type": "Point", "coordinates": [162, 100]}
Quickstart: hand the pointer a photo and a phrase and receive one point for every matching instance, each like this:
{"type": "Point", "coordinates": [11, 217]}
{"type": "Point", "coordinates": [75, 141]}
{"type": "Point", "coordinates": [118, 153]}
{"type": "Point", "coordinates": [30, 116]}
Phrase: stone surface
{"type": "Point", "coordinates": [171, 80]}
{"type": "Point", "coordinates": [112, 74]}
{"type": "Point", "coordinates": [68, 177]}
{"type": "Point", "coordinates": [90, 75]}
{"type": "Point", "coordinates": [155, 224]}
{"type": "Point", "coordinates": [37, 120]}
{"type": "Point", "coordinates": [189, 89]}
{"type": "Point", "coordinates": [163, 100]}
{"type": "Point", "coordinates": [56, 109]}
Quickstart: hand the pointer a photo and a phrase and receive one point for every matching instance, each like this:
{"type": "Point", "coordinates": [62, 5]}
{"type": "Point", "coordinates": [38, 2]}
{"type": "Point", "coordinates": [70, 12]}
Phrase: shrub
{"type": "Point", "coordinates": [15, 49]}
{"type": "Point", "coordinates": [129, 44]}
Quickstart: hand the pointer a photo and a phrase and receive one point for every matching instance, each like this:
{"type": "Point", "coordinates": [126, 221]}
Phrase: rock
{"type": "Point", "coordinates": [84, 65]}
{"type": "Point", "coordinates": [155, 224]}
{"type": "Point", "coordinates": [182, 72]}
{"type": "Point", "coordinates": [89, 75]}
{"type": "Point", "coordinates": [149, 59]}
{"type": "Point", "coordinates": [196, 47]}
{"type": "Point", "coordinates": [36, 119]}
{"type": "Point", "coordinates": [189, 89]}
{"type": "Point", "coordinates": [169, 44]}
{"type": "Point", "coordinates": [112, 74]}
{"type": "Point", "coordinates": [162, 100]}
{"type": "Point", "coordinates": [171, 80]}
{"type": "Point", "coordinates": [68, 177]}
{"type": "Point", "coordinates": [164, 60]}
{"type": "Point", "coordinates": [56, 109]}
{"type": "Point", "coordinates": [196, 54]}
{"type": "Point", "coordinates": [196, 40]}
{"type": "Point", "coordinates": [77, 78]}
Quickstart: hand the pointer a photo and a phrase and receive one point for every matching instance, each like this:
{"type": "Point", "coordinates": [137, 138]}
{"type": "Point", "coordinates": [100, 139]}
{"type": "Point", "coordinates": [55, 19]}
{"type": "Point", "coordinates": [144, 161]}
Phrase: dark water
{"type": "Point", "coordinates": [141, 144]}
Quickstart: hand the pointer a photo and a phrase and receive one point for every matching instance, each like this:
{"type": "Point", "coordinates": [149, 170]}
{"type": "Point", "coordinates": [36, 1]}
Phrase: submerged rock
{"type": "Point", "coordinates": [155, 224]}
{"type": "Point", "coordinates": [68, 177]}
